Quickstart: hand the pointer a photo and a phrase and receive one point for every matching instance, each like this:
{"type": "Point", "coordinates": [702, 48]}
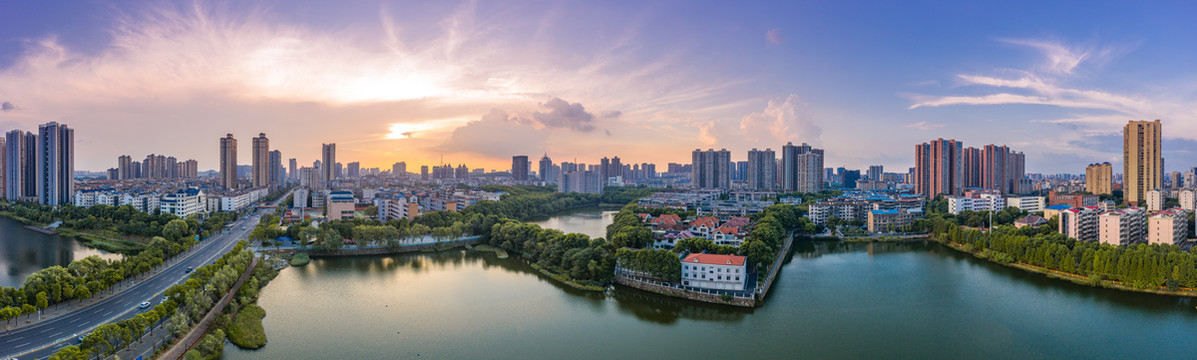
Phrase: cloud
{"type": "Point", "coordinates": [7, 106]}
{"type": "Point", "coordinates": [923, 125]}
{"type": "Point", "coordinates": [774, 36]}
{"type": "Point", "coordinates": [562, 114]}
{"type": "Point", "coordinates": [783, 120]}
{"type": "Point", "coordinates": [497, 134]}
{"type": "Point", "coordinates": [1060, 58]}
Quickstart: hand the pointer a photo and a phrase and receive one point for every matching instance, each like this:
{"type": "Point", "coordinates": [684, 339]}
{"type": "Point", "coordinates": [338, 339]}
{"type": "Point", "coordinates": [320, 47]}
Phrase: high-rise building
{"type": "Point", "coordinates": [462, 172]}
{"type": "Point", "coordinates": [802, 168]}
{"type": "Point", "coordinates": [228, 162]}
{"type": "Point", "coordinates": [848, 178]}
{"type": "Point", "coordinates": [580, 182]}
{"type": "Point", "coordinates": [875, 172]}
{"type": "Point", "coordinates": [261, 161]}
{"type": "Point", "coordinates": [124, 167]}
{"type": "Point", "coordinates": [20, 165]}
{"type": "Point", "coordinates": [328, 156]}
{"type": "Point", "coordinates": [710, 169]}
{"type": "Point", "coordinates": [354, 170]}
{"type": "Point", "coordinates": [55, 163]}
{"type": "Point", "coordinates": [424, 172]}
{"type": "Point", "coordinates": [190, 169]}
{"type": "Point", "coordinates": [1001, 169]}
{"type": "Point", "coordinates": [545, 170]}
{"type": "Point", "coordinates": [1099, 178]}
{"type": "Point", "coordinates": [1142, 162]}
{"type": "Point", "coordinates": [972, 167]}
{"type": "Point", "coordinates": [277, 174]}
{"type": "Point", "coordinates": [762, 169]}
{"type": "Point", "coordinates": [339, 171]}
{"type": "Point", "coordinates": [172, 167]}
{"type": "Point", "coordinates": [292, 168]}
{"type": "Point", "coordinates": [519, 167]}
{"type": "Point", "coordinates": [939, 168]}
{"type": "Point", "coordinates": [399, 169]}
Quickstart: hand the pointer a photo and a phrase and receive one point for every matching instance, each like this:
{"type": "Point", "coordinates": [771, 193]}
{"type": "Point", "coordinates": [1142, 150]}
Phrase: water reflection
{"type": "Point", "coordinates": [23, 252]}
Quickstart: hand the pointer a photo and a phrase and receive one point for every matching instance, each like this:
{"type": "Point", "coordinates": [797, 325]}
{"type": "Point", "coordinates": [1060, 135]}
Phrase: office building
{"type": "Point", "coordinates": [354, 170]}
{"type": "Point", "coordinates": [710, 169]}
{"type": "Point", "coordinates": [545, 169]}
{"type": "Point", "coordinates": [55, 164]}
{"type": "Point", "coordinates": [519, 167]}
{"type": "Point", "coordinates": [802, 168]}
{"type": "Point", "coordinates": [328, 160]}
{"type": "Point", "coordinates": [1099, 179]}
{"type": "Point", "coordinates": [228, 162]}
{"type": "Point", "coordinates": [762, 169]}
{"type": "Point", "coordinates": [939, 168]}
{"type": "Point", "coordinates": [261, 161]}
{"type": "Point", "coordinates": [1142, 162]}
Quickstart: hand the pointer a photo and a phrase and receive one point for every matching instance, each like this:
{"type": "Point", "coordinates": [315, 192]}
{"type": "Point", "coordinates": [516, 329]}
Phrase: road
{"type": "Point", "coordinates": [38, 341]}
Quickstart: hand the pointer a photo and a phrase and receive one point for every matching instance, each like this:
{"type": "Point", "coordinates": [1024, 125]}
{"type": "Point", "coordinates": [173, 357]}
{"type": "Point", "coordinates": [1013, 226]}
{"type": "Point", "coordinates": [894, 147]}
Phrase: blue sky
{"type": "Point", "coordinates": [477, 82]}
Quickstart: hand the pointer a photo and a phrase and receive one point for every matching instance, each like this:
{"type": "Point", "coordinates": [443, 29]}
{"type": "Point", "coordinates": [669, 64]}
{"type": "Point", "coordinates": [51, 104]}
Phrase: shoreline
{"type": "Point", "coordinates": [1070, 277]}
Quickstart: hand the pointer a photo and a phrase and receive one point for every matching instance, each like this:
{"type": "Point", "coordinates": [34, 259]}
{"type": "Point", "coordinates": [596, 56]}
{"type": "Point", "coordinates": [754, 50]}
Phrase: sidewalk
{"type": "Point", "coordinates": [197, 332]}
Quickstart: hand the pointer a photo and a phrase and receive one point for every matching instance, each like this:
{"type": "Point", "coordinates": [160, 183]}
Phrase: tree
{"type": "Point", "coordinates": [42, 300]}
{"type": "Point", "coordinates": [175, 230]}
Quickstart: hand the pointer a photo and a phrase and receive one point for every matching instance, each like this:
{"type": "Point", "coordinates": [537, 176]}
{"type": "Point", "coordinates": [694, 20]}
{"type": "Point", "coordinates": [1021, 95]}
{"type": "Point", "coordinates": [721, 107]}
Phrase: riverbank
{"type": "Point", "coordinates": [887, 238]}
{"type": "Point", "coordinates": [565, 279]}
{"type": "Point", "coordinates": [1074, 278]}
{"type": "Point", "coordinates": [94, 239]}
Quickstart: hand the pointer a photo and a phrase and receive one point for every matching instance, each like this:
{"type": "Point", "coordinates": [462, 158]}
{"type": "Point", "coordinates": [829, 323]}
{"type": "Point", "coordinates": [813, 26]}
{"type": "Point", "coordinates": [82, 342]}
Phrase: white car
{"type": "Point", "coordinates": [144, 304]}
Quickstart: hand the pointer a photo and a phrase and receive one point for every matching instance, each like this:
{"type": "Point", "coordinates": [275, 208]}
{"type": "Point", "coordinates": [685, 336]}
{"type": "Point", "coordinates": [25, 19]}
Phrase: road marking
{"type": "Point", "coordinates": [76, 319]}
{"type": "Point", "coordinates": [22, 344]}
{"type": "Point", "coordinates": [57, 334]}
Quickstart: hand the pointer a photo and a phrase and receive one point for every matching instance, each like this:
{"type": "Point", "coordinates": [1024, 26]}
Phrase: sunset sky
{"type": "Point", "coordinates": [478, 82]}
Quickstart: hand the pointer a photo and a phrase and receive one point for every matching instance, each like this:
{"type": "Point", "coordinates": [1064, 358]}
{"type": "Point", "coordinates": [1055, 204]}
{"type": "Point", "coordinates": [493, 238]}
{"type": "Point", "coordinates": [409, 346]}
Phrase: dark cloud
{"type": "Point", "coordinates": [610, 114]}
{"type": "Point", "coordinates": [562, 114]}
{"type": "Point", "coordinates": [7, 106]}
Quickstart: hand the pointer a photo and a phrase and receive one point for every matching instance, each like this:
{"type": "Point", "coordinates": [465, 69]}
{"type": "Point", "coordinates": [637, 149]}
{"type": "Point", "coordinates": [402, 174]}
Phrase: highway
{"type": "Point", "coordinates": [40, 340]}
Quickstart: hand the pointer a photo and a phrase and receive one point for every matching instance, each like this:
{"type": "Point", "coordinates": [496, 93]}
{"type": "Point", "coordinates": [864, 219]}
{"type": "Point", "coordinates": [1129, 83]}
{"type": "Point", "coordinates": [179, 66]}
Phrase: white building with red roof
{"type": "Point", "coordinates": [714, 271]}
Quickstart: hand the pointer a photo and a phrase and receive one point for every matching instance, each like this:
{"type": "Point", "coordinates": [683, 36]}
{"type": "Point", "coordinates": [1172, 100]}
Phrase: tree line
{"type": "Point", "coordinates": [84, 278]}
{"type": "Point", "coordinates": [123, 219]}
{"type": "Point", "coordinates": [185, 304]}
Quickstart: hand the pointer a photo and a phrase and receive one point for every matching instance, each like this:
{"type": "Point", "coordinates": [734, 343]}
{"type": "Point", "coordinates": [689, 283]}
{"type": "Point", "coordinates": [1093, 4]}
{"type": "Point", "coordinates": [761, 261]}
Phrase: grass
{"type": "Point", "coordinates": [246, 329]}
{"type": "Point", "coordinates": [502, 254]}
{"type": "Point", "coordinates": [300, 259]}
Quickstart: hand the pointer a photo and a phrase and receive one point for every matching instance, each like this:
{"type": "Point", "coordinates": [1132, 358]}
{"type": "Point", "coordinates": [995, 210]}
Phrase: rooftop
{"type": "Point", "coordinates": [716, 259]}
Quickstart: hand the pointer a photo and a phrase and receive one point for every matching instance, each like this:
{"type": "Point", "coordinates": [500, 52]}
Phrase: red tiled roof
{"type": "Point", "coordinates": [716, 259]}
{"type": "Point", "coordinates": [728, 230]}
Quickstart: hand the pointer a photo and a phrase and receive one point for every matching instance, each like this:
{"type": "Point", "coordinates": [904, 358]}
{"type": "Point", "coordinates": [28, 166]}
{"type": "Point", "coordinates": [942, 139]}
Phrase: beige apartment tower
{"type": "Point", "coordinates": [228, 162]}
{"type": "Point", "coordinates": [1143, 164]}
{"type": "Point", "coordinates": [261, 159]}
{"type": "Point", "coordinates": [1099, 179]}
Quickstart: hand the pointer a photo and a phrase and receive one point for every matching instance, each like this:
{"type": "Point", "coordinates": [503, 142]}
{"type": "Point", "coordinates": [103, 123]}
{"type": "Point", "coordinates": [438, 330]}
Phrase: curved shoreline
{"type": "Point", "coordinates": [1070, 277]}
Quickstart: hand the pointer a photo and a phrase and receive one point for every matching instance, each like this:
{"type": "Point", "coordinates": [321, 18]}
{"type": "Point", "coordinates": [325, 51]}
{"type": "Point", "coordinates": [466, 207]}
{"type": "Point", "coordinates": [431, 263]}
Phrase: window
{"type": "Point", "coordinates": [720, 277]}
{"type": "Point", "coordinates": [737, 271]}
{"type": "Point", "coordinates": [704, 276]}
{"type": "Point", "coordinates": [737, 278]}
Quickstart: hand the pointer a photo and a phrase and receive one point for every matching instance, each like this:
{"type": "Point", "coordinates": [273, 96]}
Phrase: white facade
{"type": "Point", "coordinates": [238, 202]}
{"type": "Point", "coordinates": [391, 208]}
{"type": "Point", "coordinates": [983, 202]}
{"type": "Point", "coordinates": [711, 271]}
{"type": "Point", "coordinates": [184, 203]}
{"type": "Point", "coordinates": [1031, 204]}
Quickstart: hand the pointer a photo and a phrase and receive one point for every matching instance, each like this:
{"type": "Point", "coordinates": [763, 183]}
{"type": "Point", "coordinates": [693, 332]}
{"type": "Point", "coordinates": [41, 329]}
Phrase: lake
{"type": "Point", "coordinates": [831, 300]}
{"type": "Point", "coordinates": [24, 251]}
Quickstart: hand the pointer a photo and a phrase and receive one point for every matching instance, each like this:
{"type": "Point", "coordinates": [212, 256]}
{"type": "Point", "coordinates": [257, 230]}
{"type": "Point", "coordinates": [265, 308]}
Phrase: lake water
{"type": "Point", "coordinates": [24, 251]}
{"type": "Point", "coordinates": [590, 220]}
{"type": "Point", "coordinates": [831, 300]}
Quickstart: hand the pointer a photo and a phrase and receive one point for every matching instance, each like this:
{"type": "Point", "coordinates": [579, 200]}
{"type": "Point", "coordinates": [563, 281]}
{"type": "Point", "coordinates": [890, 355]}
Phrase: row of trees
{"type": "Point", "coordinates": [83, 278]}
{"type": "Point", "coordinates": [122, 219]}
{"type": "Point", "coordinates": [586, 260]}
{"type": "Point", "coordinates": [1140, 265]}
{"type": "Point", "coordinates": [185, 304]}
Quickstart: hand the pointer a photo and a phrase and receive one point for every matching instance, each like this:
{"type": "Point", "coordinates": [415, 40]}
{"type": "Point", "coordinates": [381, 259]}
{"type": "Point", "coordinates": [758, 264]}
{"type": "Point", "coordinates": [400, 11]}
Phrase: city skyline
{"type": "Point", "coordinates": [412, 82]}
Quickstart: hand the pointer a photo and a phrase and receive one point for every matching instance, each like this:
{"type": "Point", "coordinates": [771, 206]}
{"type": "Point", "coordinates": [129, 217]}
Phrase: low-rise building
{"type": "Point", "coordinates": [881, 221]}
{"type": "Point", "coordinates": [1079, 223]}
{"type": "Point", "coordinates": [1168, 227]}
{"type": "Point", "coordinates": [712, 271]}
{"type": "Point", "coordinates": [1031, 204]}
{"type": "Point", "coordinates": [1122, 227]}
{"type": "Point", "coordinates": [340, 205]}
{"type": "Point", "coordinates": [1155, 200]}
{"type": "Point", "coordinates": [1072, 199]}
{"type": "Point", "coordinates": [982, 202]}
{"type": "Point", "coordinates": [1188, 199]}
{"type": "Point", "coordinates": [184, 202]}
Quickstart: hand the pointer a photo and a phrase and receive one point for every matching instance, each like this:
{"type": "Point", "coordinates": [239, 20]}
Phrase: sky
{"type": "Point", "coordinates": [475, 82]}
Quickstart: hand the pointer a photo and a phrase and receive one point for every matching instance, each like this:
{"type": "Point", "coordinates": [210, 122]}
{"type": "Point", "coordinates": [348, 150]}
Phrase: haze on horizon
{"type": "Point", "coordinates": [477, 82]}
